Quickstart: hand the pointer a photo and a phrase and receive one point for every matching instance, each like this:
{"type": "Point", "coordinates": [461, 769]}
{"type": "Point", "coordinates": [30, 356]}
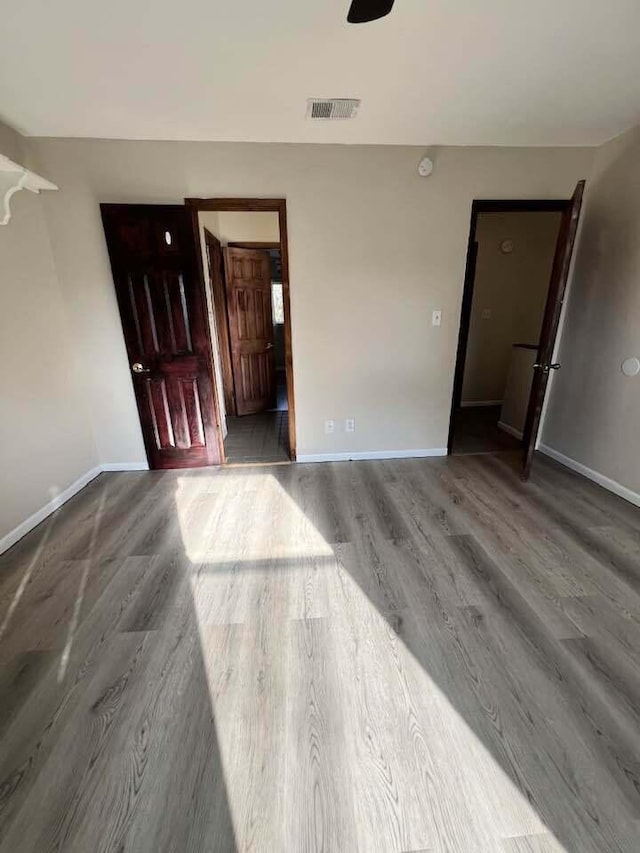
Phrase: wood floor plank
{"type": "Point", "coordinates": [31, 737]}
{"type": "Point", "coordinates": [608, 726]}
{"type": "Point", "coordinates": [176, 796]}
{"type": "Point", "coordinates": [17, 680]}
{"type": "Point", "coordinates": [318, 787]}
{"type": "Point", "coordinates": [596, 617]}
{"type": "Point", "coordinates": [532, 711]}
{"type": "Point", "coordinates": [57, 600]}
{"type": "Point", "coordinates": [476, 805]}
{"type": "Point", "coordinates": [392, 812]}
{"type": "Point", "coordinates": [316, 491]}
{"type": "Point", "coordinates": [83, 731]}
{"type": "Point", "coordinates": [430, 502]}
{"type": "Point", "coordinates": [595, 504]}
{"type": "Point", "coordinates": [544, 843]}
{"type": "Point", "coordinates": [250, 712]}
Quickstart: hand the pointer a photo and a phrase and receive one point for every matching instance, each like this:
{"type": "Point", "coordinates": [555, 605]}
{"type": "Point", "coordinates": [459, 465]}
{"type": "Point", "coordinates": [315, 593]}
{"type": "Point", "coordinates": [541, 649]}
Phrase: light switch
{"type": "Point", "coordinates": [436, 318]}
{"type": "Point", "coordinates": [486, 313]}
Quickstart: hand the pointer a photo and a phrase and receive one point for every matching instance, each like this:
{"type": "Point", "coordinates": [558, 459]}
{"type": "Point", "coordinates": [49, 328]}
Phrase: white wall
{"type": "Point", "coordinates": [46, 443]}
{"type": "Point", "coordinates": [252, 226]}
{"type": "Point", "coordinates": [593, 414]}
{"type": "Point", "coordinates": [373, 250]}
{"type": "Point", "coordinates": [513, 287]}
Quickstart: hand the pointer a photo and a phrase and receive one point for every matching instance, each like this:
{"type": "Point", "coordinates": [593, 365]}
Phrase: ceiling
{"type": "Point", "coordinates": [457, 72]}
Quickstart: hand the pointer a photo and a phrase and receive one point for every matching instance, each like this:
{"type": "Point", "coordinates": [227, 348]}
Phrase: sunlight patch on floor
{"type": "Point", "coordinates": [246, 517]}
{"type": "Point", "coordinates": [258, 558]}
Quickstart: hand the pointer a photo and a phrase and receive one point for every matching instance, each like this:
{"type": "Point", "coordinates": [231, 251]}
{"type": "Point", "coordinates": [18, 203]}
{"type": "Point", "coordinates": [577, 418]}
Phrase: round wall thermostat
{"type": "Point", "coordinates": [506, 247]}
{"type": "Point", "coordinates": [631, 366]}
{"type": "Point", "coordinates": [425, 167]}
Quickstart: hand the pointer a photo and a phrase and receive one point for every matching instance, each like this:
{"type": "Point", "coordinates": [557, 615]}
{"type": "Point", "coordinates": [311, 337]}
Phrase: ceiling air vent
{"type": "Point", "coordinates": [330, 109]}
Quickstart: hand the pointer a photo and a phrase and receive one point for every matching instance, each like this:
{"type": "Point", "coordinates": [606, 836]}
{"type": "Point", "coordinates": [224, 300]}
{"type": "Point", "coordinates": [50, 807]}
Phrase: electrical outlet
{"type": "Point", "coordinates": [350, 425]}
{"type": "Point", "coordinates": [436, 318]}
{"type": "Point", "coordinates": [329, 427]}
{"type": "Point", "coordinates": [486, 313]}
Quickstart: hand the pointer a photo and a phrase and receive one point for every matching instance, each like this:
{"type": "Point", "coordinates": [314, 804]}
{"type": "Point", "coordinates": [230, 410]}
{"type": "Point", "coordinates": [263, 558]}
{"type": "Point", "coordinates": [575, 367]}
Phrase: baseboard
{"type": "Point", "coordinates": [358, 455]}
{"type": "Point", "coordinates": [39, 516]}
{"type": "Point", "coordinates": [471, 403]}
{"type": "Point", "coordinates": [13, 536]}
{"type": "Point", "coordinates": [511, 430]}
{"type": "Point", "coordinates": [125, 466]}
{"type": "Point", "coordinates": [590, 474]}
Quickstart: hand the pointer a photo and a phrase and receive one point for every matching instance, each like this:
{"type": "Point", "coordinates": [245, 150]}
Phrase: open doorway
{"type": "Point", "coordinates": [518, 261]}
{"type": "Point", "coordinates": [171, 336]}
{"type": "Point", "coordinates": [247, 294]}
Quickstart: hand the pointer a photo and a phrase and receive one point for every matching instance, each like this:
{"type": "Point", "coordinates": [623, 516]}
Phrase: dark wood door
{"type": "Point", "coordinates": [248, 283]}
{"type": "Point", "coordinates": [555, 297]}
{"type": "Point", "coordinates": [164, 319]}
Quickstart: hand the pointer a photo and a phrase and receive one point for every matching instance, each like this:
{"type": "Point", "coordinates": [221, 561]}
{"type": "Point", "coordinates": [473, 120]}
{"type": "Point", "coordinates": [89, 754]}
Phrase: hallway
{"type": "Point", "coordinates": [258, 438]}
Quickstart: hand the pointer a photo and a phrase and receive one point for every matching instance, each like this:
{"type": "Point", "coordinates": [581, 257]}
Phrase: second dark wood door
{"type": "Point", "coordinates": [550, 322]}
{"type": "Point", "coordinates": [248, 283]}
{"type": "Point", "coordinates": [164, 319]}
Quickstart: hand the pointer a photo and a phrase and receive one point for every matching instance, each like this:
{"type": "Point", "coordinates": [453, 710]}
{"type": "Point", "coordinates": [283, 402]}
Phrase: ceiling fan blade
{"type": "Point", "coordinates": [362, 11]}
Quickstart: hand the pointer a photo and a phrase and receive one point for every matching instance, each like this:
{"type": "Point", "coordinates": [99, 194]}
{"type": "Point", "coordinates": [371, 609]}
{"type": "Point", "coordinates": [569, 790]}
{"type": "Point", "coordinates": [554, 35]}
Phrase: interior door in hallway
{"type": "Point", "coordinates": [248, 282]}
{"type": "Point", "coordinates": [550, 322]}
{"type": "Point", "coordinates": [164, 319]}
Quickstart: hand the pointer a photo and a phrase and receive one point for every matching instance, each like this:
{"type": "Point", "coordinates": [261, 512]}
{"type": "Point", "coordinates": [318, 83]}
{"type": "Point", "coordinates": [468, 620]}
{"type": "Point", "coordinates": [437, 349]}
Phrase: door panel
{"type": "Point", "coordinates": [248, 283]}
{"type": "Point", "coordinates": [160, 314]}
{"type": "Point", "coordinates": [551, 319]}
{"type": "Point", "coordinates": [164, 320]}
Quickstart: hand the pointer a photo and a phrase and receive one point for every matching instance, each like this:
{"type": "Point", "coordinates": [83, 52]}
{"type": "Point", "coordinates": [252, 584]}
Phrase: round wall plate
{"type": "Point", "coordinates": [506, 247]}
{"type": "Point", "coordinates": [631, 366]}
{"type": "Point", "coordinates": [425, 167]}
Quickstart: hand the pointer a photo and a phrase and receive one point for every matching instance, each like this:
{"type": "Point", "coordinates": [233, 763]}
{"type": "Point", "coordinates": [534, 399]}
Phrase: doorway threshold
{"type": "Point", "coordinates": [252, 439]}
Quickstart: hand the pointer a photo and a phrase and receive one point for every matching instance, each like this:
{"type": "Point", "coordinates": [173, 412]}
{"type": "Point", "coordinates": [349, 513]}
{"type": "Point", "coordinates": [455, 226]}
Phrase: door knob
{"type": "Point", "coordinates": [139, 368]}
{"type": "Point", "coordinates": [547, 367]}
{"type": "Point", "coordinates": [269, 345]}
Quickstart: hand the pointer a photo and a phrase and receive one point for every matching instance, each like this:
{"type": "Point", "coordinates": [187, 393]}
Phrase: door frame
{"type": "Point", "coordinates": [479, 206]}
{"type": "Point", "coordinates": [264, 205]}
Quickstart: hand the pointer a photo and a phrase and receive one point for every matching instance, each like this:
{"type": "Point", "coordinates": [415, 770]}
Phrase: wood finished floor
{"type": "Point", "coordinates": [417, 655]}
